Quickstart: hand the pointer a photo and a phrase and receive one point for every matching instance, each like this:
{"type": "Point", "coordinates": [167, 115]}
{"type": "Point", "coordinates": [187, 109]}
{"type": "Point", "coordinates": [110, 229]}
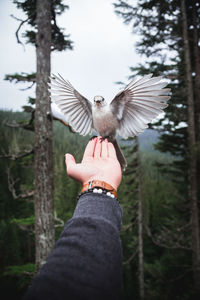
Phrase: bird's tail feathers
{"type": "Point", "coordinates": [120, 155]}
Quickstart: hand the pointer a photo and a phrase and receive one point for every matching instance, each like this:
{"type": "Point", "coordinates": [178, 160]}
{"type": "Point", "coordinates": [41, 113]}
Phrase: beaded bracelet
{"type": "Point", "coordinates": [97, 191]}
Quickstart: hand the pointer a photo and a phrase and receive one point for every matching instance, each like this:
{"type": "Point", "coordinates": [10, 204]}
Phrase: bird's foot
{"type": "Point", "coordinates": [93, 137]}
{"type": "Point", "coordinates": [104, 138]}
{"type": "Point", "coordinates": [100, 138]}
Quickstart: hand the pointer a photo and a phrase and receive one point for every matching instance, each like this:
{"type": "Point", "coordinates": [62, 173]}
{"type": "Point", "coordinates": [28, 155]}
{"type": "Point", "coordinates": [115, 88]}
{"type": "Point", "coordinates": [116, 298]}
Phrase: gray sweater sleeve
{"type": "Point", "coordinates": [86, 260]}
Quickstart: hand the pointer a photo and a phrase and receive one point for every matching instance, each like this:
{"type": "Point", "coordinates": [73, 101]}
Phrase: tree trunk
{"type": "Point", "coordinates": [140, 227]}
{"type": "Point", "coordinates": [192, 156]}
{"type": "Point", "coordinates": [44, 216]}
{"type": "Point", "coordinates": [196, 52]}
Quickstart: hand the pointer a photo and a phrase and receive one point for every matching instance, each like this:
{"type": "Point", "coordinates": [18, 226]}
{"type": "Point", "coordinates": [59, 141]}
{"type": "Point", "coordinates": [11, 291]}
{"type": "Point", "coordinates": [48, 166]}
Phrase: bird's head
{"type": "Point", "coordinates": [99, 101]}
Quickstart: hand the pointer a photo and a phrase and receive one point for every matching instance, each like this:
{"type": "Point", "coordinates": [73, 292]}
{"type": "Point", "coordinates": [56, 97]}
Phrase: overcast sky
{"type": "Point", "coordinates": [103, 51]}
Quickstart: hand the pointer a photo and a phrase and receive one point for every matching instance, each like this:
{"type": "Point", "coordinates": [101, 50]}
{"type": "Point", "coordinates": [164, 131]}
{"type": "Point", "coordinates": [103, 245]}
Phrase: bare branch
{"type": "Point", "coordinates": [127, 262]}
{"type": "Point", "coordinates": [11, 184]}
{"type": "Point", "coordinates": [63, 122]}
{"type": "Point", "coordinates": [26, 195]}
{"type": "Point", "coordinates": [17, 156]}
{"type": "Point", "coordinates": [31, 274]}
{"type": "Point", "coordinates": [23, 227]}
{"type": "Point", "coordinates": [28, 88]}
{"type": "Point", "coordinates": [22, 22]}
{"type": "Point", "coordinates": [158, 241]}
{"type": "Point", "coordinates": [11, 187]}
{"type": "Point", "coordinates": [61, 222]}
{"type": "Point", "coordinates": [27, 126]}
{"type": "Point", "coordinates": [129, 226]}
{"type": "Point", "coordinates": [181, 276]}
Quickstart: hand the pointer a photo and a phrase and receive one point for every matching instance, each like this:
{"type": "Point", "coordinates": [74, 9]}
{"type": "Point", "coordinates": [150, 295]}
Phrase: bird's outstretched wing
{"type": "Point", "coordinates": [139, 103]}
{"type": "Point", "coordinates": [76, 108]}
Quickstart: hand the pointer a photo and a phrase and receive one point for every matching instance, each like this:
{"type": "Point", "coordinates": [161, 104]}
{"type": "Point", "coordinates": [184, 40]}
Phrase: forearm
{"type": "Point", "coordinates": [86, 261]}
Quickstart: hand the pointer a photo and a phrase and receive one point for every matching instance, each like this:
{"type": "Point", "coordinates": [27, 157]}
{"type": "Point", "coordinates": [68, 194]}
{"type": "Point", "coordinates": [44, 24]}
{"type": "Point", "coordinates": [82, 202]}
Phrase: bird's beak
{"type": "Point", "coordinates": [98, 103]}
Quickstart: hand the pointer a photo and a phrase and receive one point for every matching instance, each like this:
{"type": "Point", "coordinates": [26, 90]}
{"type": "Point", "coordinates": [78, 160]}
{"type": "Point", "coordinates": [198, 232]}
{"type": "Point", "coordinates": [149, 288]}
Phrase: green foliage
{"type": "Point", "coordinates": [159, 205]}
{"type": "Point", "coordinates": [16, 215]}
{"type": "Point", "coordinates": [24, 221]}
{"type": "Point", "coordinates": [22, 274]}
{"type": "Point", "coordinates": [19, 270]}
{"type": "Point", "coordinates": [166, 215]}
{"type": "Point", "coordinates": [166, 263]}
{"type": "Point", "coordinates": [16, 203]}
{"type": "Point", "coordinates": [22, 77]}
{"type": "Point", "coordinates": [165, 177]}
{"type": "Point", "coordinates": [66, 189]}
{"type": "Point", "coordinates": [60, 41]}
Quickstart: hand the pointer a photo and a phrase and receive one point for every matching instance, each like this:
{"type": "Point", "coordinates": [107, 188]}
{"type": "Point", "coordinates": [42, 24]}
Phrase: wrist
{"type": "Point", "coordinates": [99, 184]}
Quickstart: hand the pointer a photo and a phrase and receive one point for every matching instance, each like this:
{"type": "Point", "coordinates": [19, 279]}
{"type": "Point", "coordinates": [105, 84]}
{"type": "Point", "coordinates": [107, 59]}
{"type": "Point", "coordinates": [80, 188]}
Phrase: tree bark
{"type": "Point", "coordinates": [44, 216]}
{"type": "Point", "coordinates": [192, 155]}
{"type": "Point", "coordinates": [196, 53]}
{"type": "Point", "coordinates": [140, 227]}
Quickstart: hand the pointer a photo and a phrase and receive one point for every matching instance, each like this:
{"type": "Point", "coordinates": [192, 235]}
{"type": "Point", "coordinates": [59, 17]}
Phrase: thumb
{"type": "Point", "coordinates": [70, 162]}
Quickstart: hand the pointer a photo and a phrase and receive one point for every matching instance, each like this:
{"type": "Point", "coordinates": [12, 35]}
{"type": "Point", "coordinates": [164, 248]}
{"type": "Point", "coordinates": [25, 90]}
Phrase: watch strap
{"type": "Point", "coordinates": [99, 184]}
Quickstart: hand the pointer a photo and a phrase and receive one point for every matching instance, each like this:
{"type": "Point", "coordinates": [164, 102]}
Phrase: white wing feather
{"type": "Point", "coordinates": [139, 103]}
{"type": "Point", "coordinates": [76, 108]}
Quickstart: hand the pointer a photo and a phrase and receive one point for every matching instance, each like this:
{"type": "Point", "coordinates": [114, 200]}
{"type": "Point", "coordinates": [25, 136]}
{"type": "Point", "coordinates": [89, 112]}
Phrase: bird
{"type": "Point", "coordinates": [127, 115]}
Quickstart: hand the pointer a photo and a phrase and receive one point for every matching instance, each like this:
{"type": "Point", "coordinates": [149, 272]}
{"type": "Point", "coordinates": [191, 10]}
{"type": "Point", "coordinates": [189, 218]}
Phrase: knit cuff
{"type": "Point", "coordinates": [99, 206]}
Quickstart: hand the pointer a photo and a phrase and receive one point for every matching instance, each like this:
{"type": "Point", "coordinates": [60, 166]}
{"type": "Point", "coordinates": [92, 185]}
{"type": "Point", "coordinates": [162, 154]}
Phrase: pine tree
{"type": "Point", "coordinates": [132, 232]}
{"type": "Point", "coordinates": [46, 36]}
{"type": "Point", "coordinates": [43, 155]}
{"type": "Point", "coordinates": [140, 225]}
{"type": "Point", "coordinates": [163, 43]}
{"type": "Point", "coordinates": [192, 154]}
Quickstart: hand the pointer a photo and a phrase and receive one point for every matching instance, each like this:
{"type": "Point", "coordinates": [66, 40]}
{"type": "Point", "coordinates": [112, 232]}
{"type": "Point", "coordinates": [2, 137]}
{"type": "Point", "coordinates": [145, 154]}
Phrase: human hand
{"type": "Point", "coordinates": [99, 163]}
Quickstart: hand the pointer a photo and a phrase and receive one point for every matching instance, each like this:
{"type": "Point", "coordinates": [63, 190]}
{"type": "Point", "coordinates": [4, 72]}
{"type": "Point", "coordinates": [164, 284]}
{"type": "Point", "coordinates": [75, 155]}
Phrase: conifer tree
{"type": "Point", "coordinates": [140, 225]}
{"type": "Point", "coordinates": [132, 187]}
{"type": "Point", "coordinates": [43, 154]}
{"type": "Point", "coordinates": [46, 36]}
{"type": "Point", "coordinates": [165, 46]}
{"type": "Point", "coordinates": [192, 153]}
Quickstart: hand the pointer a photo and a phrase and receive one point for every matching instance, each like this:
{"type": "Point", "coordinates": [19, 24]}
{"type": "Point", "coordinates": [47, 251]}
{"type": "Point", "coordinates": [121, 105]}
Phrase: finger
{"type": "Point", "coordinates": [104, 149]}
{"type": "Point", "coordinates": [89, 150]}
{"type": "Point", "coordinates": [70, 163]}
{"type": "Point", "coordinates": [111, 151]}
{"type": "Point", "coordinates": [97, 151]}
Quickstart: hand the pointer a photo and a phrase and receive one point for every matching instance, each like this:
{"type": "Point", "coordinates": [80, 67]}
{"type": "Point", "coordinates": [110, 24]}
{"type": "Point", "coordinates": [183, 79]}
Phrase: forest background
{"type": "Point", "coordinates": [160, 191]}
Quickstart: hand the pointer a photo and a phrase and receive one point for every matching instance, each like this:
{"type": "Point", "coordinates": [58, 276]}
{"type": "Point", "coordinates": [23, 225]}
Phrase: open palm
{"type": "Point", "coordinates": [99, 162]}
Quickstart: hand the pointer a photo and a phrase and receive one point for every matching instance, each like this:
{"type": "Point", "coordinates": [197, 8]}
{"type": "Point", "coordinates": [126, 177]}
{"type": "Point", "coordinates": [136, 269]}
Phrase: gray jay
{"type": "Point", "coordinates": [127, 114]}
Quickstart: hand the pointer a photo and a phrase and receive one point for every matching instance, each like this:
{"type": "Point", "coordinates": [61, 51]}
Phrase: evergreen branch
{"type": "Point", "coordinates": [23, 77]}
{"type": "Point", "coordinates": [27, 269]}
{"type": "Point", "coordinates": [25, 224]}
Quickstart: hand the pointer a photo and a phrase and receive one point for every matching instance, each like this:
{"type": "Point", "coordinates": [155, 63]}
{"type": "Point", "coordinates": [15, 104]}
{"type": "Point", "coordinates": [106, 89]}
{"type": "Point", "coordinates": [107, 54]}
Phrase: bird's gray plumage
{"type": "Point", "coordinates": [128, 114]}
